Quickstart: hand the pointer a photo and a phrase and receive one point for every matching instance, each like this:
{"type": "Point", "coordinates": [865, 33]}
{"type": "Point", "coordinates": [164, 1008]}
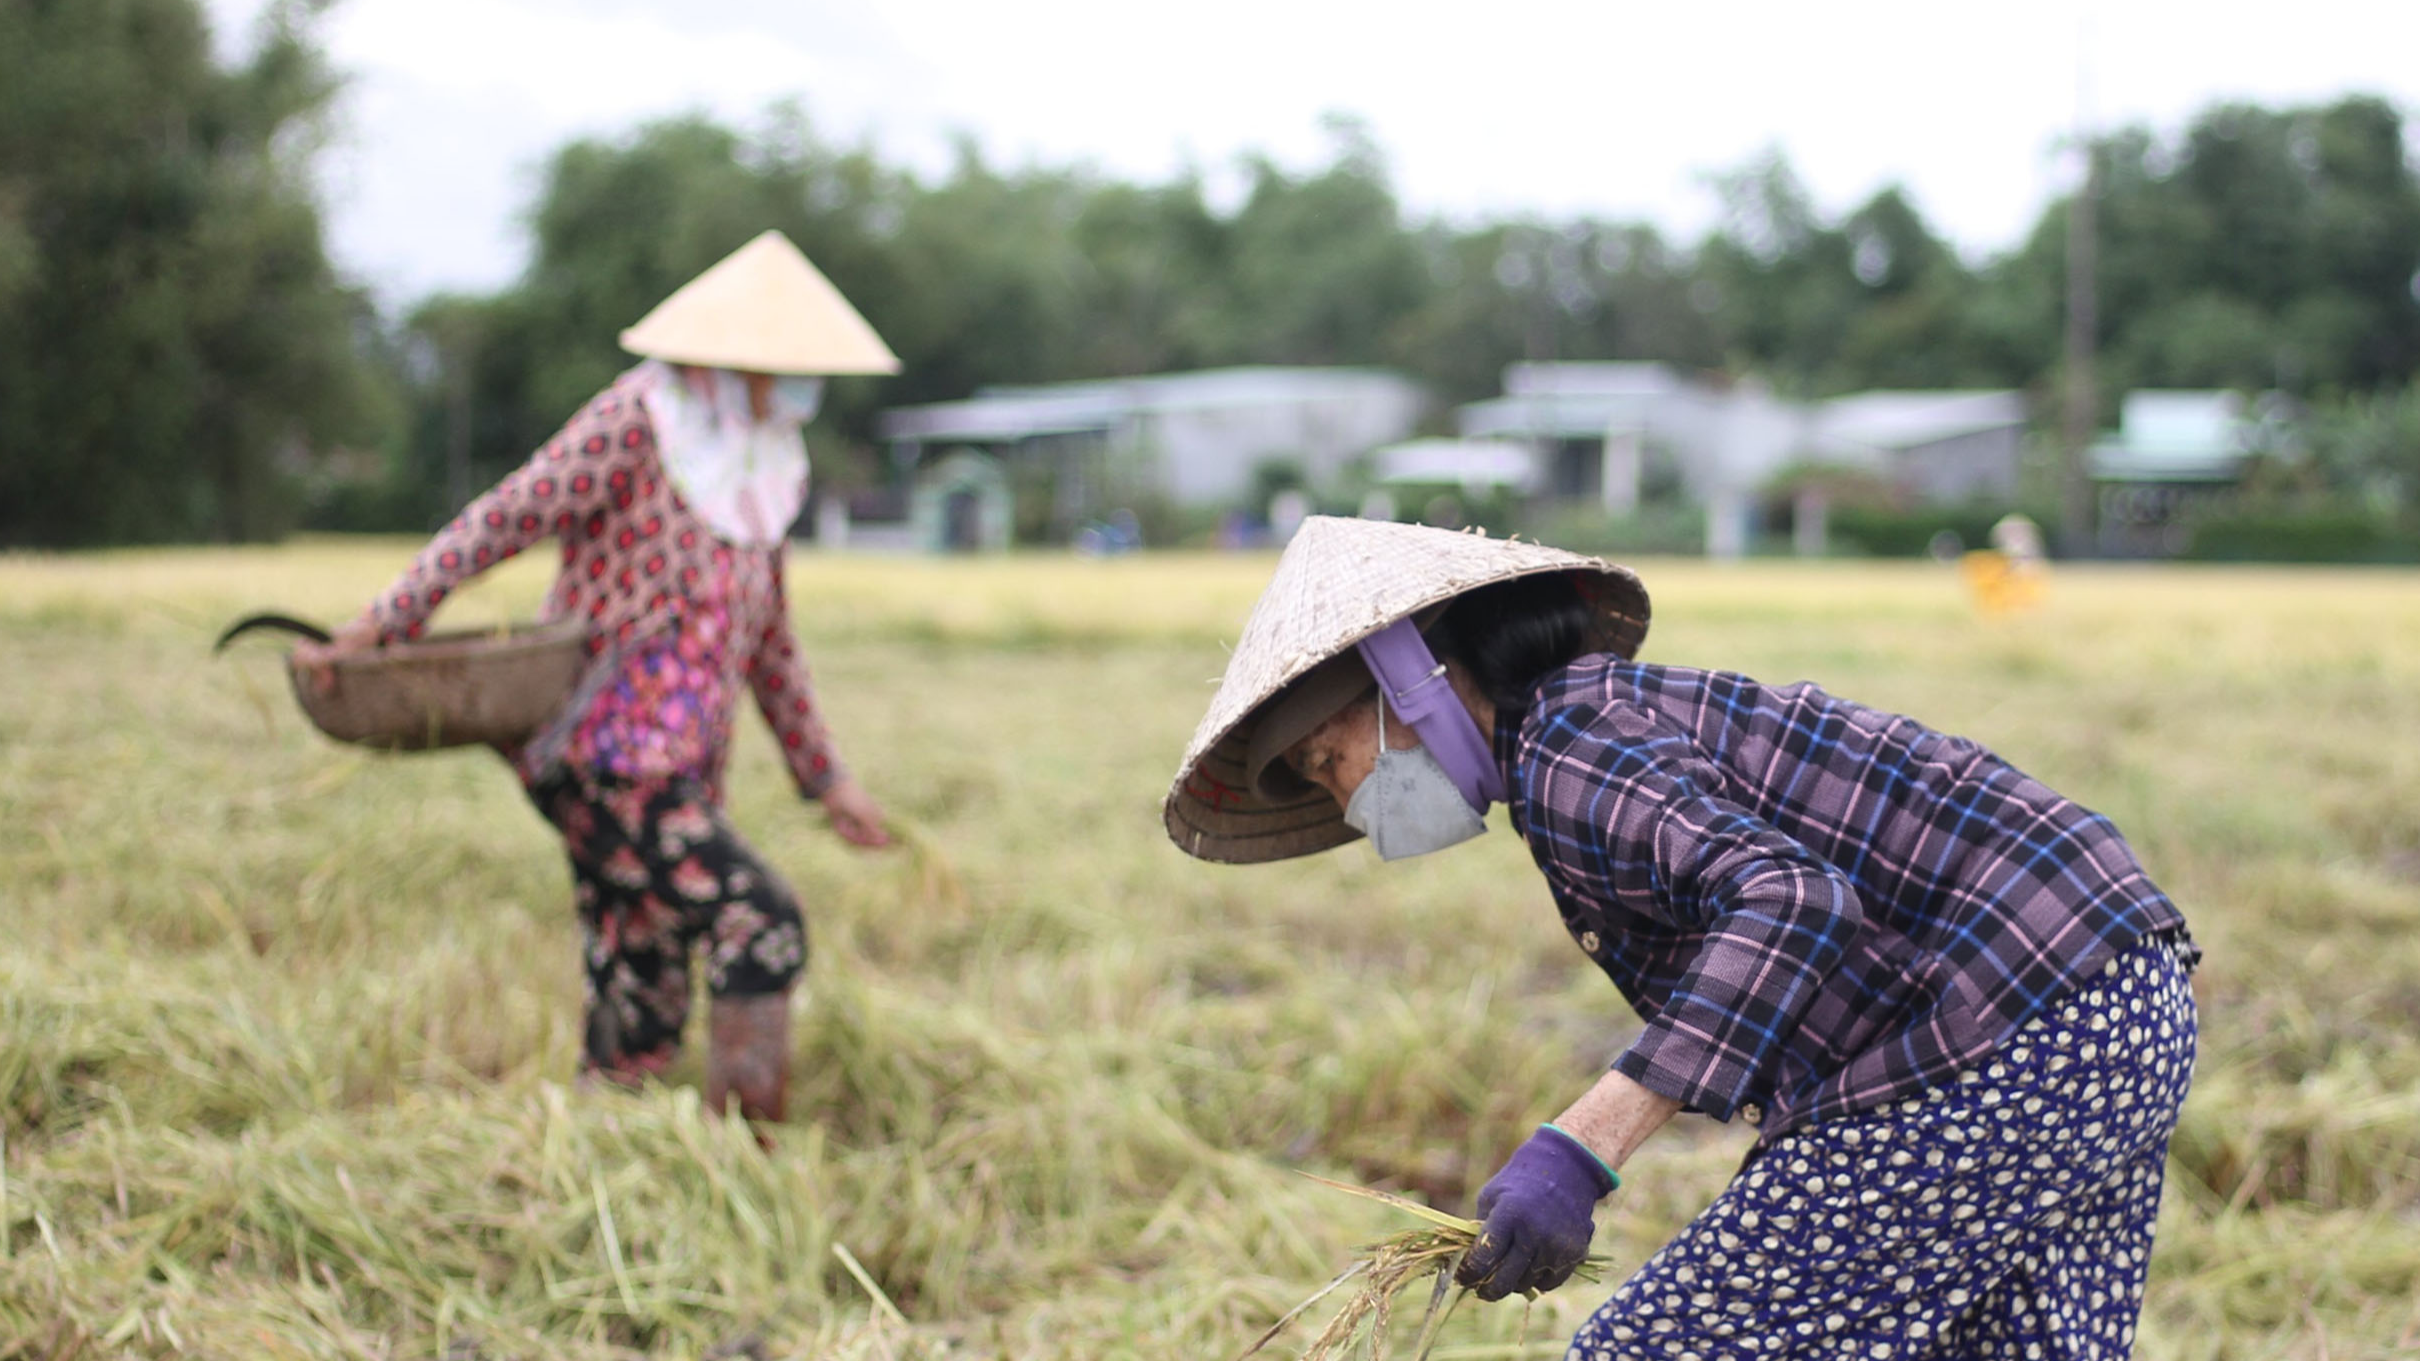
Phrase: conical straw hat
{"type": "Point", "coordinates": [1339, 581]}
{"type": "Point", "coordinates": [766, 310]}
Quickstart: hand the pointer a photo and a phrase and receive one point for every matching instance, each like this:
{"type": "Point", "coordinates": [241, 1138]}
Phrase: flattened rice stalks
{"type": "Point", "coordinates": [1386, 1269]}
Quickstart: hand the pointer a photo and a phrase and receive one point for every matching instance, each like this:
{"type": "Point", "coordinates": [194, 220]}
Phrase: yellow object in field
{"type": "Point", "coordinates": [2002, 584]}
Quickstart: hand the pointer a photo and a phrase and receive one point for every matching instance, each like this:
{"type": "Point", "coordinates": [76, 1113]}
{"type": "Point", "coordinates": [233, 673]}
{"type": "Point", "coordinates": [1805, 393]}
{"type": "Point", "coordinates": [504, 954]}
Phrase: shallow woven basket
{"type": "Point", "coordinates": [450, 689]}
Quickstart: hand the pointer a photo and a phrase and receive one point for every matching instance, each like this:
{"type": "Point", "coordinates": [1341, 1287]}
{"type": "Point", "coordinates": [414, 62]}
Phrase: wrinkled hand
{"type": "Point", "coordinates": [1537, 1216]}
{"type": "Point", "coordinates": [317, 661]}
{"type": "Point", "coordinates": [855, 815]}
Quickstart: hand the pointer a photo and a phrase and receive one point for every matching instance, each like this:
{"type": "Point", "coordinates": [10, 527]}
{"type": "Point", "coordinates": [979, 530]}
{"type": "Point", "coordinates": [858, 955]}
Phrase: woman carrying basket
{"type": "Point", "coordinates": [670, 494]}
{"type": "Point", "coordinates": [1950, 1000]}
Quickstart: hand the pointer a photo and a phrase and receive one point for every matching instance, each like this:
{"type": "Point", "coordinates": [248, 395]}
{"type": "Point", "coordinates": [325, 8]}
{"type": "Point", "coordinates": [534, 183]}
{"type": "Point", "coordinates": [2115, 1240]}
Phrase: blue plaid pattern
{"type": "Point", "coordinates": [1816, 907]}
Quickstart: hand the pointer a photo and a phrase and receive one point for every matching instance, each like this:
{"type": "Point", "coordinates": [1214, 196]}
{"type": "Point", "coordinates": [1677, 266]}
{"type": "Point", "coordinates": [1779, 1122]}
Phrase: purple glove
{"type": "Point", "coordinates": [1538, 1215]}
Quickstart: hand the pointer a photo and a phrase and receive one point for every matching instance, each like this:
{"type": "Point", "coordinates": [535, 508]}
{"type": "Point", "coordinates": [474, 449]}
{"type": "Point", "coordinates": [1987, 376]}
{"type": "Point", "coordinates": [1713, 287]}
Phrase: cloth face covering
{"type": "Point", "coordinates": [1408, 805]}
{"type": "Point", "coordinates": [1415, 684]}
{"type": "Point", "coordinates": [744, 477]}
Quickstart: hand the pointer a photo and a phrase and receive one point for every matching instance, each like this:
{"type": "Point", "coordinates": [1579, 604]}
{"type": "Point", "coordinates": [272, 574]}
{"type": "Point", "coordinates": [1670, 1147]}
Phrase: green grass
{"type": "Point", "coordinates": [290, 1026]}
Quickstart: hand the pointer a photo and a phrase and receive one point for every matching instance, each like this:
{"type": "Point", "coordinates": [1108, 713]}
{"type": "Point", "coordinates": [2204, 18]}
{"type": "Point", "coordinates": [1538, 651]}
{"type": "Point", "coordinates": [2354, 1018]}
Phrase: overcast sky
{"type": "Point", "coordinates": [1506, 107]}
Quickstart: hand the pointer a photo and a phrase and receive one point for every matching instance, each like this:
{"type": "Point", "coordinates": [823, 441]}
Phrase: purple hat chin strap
{"type": "Point", "coordinates": [1418, 691]}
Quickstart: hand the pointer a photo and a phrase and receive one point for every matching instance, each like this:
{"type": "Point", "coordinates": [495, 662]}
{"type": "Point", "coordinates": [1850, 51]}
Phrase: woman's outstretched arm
{"type": "Point", "coordinates": [1615, 1116]}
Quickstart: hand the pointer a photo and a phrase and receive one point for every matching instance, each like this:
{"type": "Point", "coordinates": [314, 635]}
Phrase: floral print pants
{"type": "Point", "coordinates": [2007, 1215]}
{"type": "Point", "coordinates": [659, 875]}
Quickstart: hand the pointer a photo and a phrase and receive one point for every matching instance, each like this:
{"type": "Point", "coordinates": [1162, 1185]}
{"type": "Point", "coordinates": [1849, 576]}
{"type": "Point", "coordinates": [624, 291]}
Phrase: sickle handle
{"type": "Point", "coordinates": [280, 622]}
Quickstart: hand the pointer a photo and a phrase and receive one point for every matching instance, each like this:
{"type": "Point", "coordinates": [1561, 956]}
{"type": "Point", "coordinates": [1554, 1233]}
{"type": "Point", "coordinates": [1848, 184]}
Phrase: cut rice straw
{"type": "Point", "coordinates": [882, 1301]}
{"type": "Point", "coordinates": [887, 1334]}
{"type": "Point", "coordinates": [1387, 1268]}
{"type": "Point", "coordinates": [935, 873]}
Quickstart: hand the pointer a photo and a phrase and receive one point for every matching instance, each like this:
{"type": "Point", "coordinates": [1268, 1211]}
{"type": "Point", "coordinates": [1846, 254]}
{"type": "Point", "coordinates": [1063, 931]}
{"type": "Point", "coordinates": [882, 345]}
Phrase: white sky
{"type": "Point", "coordinates": [1547, 106]}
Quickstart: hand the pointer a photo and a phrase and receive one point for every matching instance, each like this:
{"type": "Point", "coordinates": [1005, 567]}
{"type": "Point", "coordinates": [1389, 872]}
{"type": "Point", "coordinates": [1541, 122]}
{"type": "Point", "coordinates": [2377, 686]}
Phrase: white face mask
{"type": "Point", "coordinates": [744, 477]}
{"type": "Point", "coordinates": [796, 399]}
{"type": "Point", "coordinates": [1408, 805]}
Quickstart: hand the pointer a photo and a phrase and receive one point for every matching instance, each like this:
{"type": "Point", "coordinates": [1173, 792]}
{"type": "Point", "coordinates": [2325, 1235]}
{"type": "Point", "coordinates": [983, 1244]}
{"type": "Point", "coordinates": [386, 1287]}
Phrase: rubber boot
{"type": "Point", "coordinates": [748, 1055]}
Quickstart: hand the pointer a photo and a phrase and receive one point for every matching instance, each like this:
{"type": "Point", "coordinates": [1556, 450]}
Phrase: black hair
{"type": "Point", "coordinates": [1510, 634]}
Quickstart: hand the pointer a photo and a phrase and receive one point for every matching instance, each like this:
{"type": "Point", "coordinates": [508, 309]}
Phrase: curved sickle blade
{"type": "Point", "coordinates": [283, 623]}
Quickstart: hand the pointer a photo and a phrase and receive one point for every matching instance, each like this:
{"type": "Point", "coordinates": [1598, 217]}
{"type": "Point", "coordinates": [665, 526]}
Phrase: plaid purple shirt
{"type": "Point", "coordinates": [1816, 907]}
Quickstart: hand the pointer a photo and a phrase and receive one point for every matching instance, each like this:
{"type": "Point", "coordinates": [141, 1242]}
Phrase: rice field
{"type": "Point", "coordinates": [289, 1027]}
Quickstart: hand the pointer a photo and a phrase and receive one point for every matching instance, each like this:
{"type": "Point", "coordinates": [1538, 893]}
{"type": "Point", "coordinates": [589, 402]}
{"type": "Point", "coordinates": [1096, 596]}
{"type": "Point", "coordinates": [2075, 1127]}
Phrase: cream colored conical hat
{"type": "Point", "coordinates": [1338, 582]}
{"type": "Point", "coordinates": [764, 308]}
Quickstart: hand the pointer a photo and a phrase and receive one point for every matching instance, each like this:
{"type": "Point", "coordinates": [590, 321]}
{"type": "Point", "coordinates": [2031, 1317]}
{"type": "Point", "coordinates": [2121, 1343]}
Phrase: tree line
{"type": "Point", "coordinates": [179, 359]}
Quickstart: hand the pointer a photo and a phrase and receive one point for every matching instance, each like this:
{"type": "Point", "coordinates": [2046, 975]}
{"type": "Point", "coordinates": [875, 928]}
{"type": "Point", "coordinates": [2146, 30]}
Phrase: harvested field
{"type": "Point", "coordinates": [289, 1026]}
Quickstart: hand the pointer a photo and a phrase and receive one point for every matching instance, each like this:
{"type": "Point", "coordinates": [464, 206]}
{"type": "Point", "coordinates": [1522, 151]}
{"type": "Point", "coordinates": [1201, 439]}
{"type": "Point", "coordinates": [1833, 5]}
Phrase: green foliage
{"type": "Point", "coordinates": [180, 361]}
{"type": "Point", "coordinates": [986, 277]}
{"type": "Point", "coordinates": [1875, 301]}
{"type": "Point", "coordinates": [175, 350]}
{"type": "Point", "coordinates": [2317, 533]}
{"type": "Point", "coordinates": [2349, 491]}
{"type": "Point", "coordinates": [1530, 289]}
{"type": "Point", "coordinates": [2262, 248]}
{"type": "Point", "coordinates": [1319, 270]}
{"type": "Point", "coordinates": [1907, 532]}
{"type": "Point", "coordinates": [618, 227]}
{"type": "Point", "coordinates": [2368, 446]}
{"type": "Point", "coordinates": [1657, 529]}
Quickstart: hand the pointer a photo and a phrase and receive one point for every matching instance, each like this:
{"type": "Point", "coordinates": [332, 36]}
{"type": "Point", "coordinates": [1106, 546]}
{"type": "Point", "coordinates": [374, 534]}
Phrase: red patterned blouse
{"type": "Point", "coordinates": [678, 617]}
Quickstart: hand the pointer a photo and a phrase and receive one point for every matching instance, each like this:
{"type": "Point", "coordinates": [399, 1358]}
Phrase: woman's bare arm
{"type": "Point", "coordinates": [1615, 1116]}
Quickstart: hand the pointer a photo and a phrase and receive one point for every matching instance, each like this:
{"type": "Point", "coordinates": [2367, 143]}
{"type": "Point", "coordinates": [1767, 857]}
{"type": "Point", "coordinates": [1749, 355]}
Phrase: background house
{"type": "Point", "coordinates": [2173, 452]}
{"type": "Point", "coordinates": [1475, 465]}
{"type": "Point", "coordinates": [1621, 436]}
{"type": "Point", "coordinates": [1610, 432]}
{"type": "Point", "coordinates": [1935, 448]}
{"type": "Point", "coordinates": [1221, 438]}
{"type": "Point", "coordinates": [1039, 463]}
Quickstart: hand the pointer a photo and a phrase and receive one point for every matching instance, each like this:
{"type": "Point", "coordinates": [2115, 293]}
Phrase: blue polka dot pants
{"type": "Point", "coordinates": [2006, 1215]}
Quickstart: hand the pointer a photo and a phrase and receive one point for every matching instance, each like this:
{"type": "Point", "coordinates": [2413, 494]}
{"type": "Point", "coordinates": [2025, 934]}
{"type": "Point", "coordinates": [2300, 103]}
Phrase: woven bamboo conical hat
{"type": "Point", "coordinates": [1339, 581]}
{"type": "Point", "coordinates": [766, 310]}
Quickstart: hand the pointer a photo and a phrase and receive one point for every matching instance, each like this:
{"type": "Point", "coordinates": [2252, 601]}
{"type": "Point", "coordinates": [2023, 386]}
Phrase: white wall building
{"type": "Point", "coordinates": [1194, 439]}
{"type": "Point", "coordinates": [2174, 451]}
{"type": "Point", "coordinates": [1940, 447]}
{"type": "Point", "coordinates": [1619, 434]}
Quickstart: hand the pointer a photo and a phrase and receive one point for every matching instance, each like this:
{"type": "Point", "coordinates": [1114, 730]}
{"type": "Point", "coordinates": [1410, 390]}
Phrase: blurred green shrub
{"type": "Point", "coordinates": [2321, 533]}
{"type": "Point", "coordinates": [1650, 531]}
{"type": "Point", "coordinates": [1906, 532]}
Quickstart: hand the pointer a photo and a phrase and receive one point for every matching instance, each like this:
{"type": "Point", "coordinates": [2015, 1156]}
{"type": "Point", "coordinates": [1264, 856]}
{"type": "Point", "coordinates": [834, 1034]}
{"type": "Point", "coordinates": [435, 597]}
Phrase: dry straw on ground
{"type": "Point", "coordinates": [289, 1025]}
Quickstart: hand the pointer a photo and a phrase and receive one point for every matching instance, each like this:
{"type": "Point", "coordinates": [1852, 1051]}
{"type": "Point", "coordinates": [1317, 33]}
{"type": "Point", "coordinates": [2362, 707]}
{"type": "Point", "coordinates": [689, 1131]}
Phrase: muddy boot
{"type": "Point", "coordinates": [748, 1055]}
{"type": "Point", "coordinates": [602, 1064]}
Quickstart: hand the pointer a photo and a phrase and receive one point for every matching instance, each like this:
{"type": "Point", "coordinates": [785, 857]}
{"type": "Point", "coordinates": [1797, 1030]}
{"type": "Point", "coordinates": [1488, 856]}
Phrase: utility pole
{"type": "Point", "coordinates": [452, 329]}
{"type": "Point", "coordinates": [458, 425]}
{"type": "Point", "coordinates": [1541, 338]}
{"type": "Point", "coordinates": [2081, 414]}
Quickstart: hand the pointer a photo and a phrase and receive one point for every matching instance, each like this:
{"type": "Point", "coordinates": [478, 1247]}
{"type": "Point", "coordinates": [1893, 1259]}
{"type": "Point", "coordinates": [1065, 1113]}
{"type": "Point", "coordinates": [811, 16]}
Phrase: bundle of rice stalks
{"type": "Point", "coordinates": [1386, 1269]}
